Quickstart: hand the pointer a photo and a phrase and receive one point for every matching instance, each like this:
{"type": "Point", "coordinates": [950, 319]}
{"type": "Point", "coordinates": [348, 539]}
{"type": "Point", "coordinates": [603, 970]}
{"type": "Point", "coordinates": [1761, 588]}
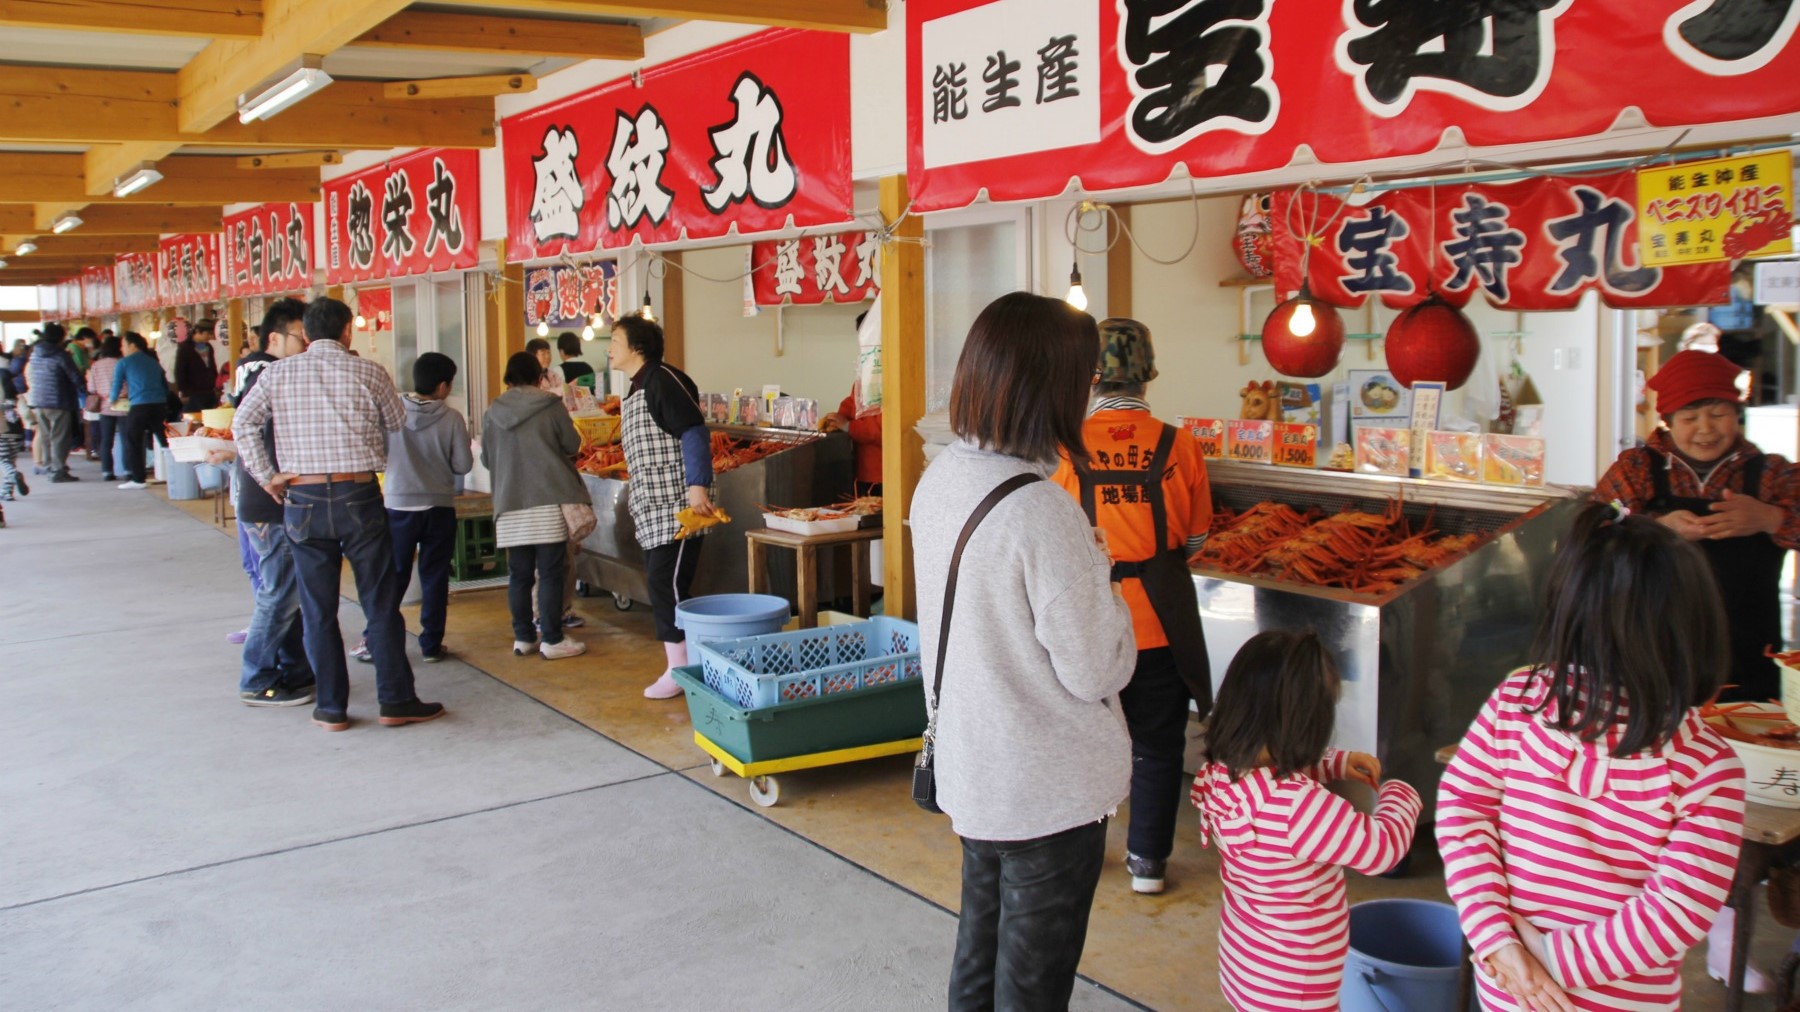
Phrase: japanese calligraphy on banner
{"type": "Point", "coordinates": [565, 296]}
{"type": "Point", "coordinates": [134, 282]}
{"type": "Point", "coordinates": [1537, 244]}
{"type": "Point", "coordinates": [413, 215]}
{"type": "Point", "coordinates": [61, 301]}
{"type": "Point", "coordinates": [1127, 92]}
{"type": "Point", "coordinates": [268, 250]}
{"type": "Point", "coordinates": [188, 269]}
{"type": "Point", "coordinates": [748, 135]}
{"type": "Point", "coordinates": [844, 267]}
{"type": "Point", "coordinates": [1720, 209]}
{"type": "Point", "coordinates": [97, 291]}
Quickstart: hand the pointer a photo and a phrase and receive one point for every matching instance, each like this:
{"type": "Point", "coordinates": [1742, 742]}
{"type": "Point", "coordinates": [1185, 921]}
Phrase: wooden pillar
{"type": "Point", "coordinates": [234, 331]}
{"type": "Point", "coordinates": [1118, 265]}
{"type": "Point", "coordinates": [673, 315]}
{"type": "Point", "coordinates": [505, 321]}
{"type": "Point", "coordinates": [902, 393]}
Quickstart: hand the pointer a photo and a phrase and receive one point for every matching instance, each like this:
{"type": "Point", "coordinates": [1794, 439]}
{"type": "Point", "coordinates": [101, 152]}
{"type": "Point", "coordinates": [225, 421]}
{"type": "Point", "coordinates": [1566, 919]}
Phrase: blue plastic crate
{"type": "Point", "coordinates": [759, 671]}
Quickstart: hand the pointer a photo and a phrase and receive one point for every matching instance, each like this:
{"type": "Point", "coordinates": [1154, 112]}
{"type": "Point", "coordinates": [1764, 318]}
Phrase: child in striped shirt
{"type": "Point", "coordinates": [1284, 840]}
{"type": "Point", "coordinates": [1590, 822]}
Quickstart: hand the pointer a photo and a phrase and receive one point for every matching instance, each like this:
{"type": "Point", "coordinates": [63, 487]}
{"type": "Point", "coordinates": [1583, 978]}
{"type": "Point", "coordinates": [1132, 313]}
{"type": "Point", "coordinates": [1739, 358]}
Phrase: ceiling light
{"type": "Point", "coordinates": [24, 248]}
{"type": "Point", "coordinates": [646, 312]}
{"type": "Point", "coordinates": [587, 333]}
{"type": "Point", "coordinates": [2, 263]}
{"type": "Point", "coordinates": [301, 79]}
{"type": "Point", "coordinates": [1077, 296]}
{"type": "Point", "coordinates": [142, 177]}
{"type": "Point", "coordinates": [65, 223]}
{"type": "Point", "coordinates": [543, 329]}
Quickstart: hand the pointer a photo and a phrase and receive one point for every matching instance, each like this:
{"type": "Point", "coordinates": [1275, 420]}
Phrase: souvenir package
{"type": "Point", "coordinates": [749, 410]}
{"type": "Point", "coordinates": [1249, 440]}
{"type": "Point", "coordinates": [1303, 404]}
{"type": "Point", "coordinates": [1210, 433]}
{"type": "Point", "coordinates": [1375, 393]}
{"type": "Point", "coordinates": [717, 408]}
{"type": "Point", "coordinates": [1513, 460]}
{"type": "Point", "coordinates": [806, 413]}
{"type": "Point", "coordinates": [1455, 456]}
{"type": "Point", "coordinates": [782, 414]}
{"type": "Point", "coordinates": [1383, 451]}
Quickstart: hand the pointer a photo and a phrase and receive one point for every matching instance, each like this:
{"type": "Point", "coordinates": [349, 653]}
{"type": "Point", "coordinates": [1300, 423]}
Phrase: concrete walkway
{"type": "Point", "coordinates": [163, 846]}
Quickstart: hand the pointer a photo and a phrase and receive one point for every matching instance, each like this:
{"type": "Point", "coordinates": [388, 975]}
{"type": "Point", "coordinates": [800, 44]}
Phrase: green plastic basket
{"type": "Point", "coordinates": [893, 712]}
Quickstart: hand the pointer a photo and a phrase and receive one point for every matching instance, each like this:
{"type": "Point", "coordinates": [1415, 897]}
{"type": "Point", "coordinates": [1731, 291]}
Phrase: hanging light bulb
{"type": "Point", "coordinates": [1077, 296]}
{"type": "Point", "coordinates": [1302, 323]}
{"type": "Point", "coordinates": [597, 321]}
{"type": "Point", "coordinates": [587, 333]}
{"type": "Point", "coordinates": [1303, 336]}
{"type": "Point", "coordinates": [543, 329]}
{"type": "Point", "coordinates": [647, 313]}
{"type": "Point", "coordinates": [362, 322]}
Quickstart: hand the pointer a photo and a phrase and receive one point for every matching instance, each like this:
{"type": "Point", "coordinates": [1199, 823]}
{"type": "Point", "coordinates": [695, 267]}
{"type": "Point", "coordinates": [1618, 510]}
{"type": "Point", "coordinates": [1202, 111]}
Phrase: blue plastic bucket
{"type": "Point", "coordinates": [183, 478]}
{"type": "Point", "coordinates": [730, 616]}
{"type": "Point", "coordinates": [1404, 957]}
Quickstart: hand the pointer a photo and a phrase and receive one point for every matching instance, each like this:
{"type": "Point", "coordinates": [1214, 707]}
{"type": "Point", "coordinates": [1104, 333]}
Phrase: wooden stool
{"type": "Point", "coordinates": [806, 566]}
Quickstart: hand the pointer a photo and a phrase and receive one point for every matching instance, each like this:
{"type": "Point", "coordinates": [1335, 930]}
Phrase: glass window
{"type": "Point", "coordinates": [967, 267]}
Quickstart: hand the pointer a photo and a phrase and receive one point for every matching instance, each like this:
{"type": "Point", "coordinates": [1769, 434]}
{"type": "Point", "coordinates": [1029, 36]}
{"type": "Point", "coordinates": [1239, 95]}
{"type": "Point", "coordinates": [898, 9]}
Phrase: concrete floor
{"type": "Point", "coordinates": [556, 842]}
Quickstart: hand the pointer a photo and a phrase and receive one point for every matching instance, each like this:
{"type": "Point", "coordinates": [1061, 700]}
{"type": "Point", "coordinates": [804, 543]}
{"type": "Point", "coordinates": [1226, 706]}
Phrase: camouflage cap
{"type": "Point", "coordinates": [1125, 352]}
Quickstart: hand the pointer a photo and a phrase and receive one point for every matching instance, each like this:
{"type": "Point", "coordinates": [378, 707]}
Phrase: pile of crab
{"type": "Point", "coordinates": [1366, 553]}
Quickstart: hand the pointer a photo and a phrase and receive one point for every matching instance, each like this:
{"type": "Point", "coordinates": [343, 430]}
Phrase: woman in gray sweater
{"type": "Point", "coordinates": [528, 443]}
{"type": "Point", "coordinates": [1032, 753]}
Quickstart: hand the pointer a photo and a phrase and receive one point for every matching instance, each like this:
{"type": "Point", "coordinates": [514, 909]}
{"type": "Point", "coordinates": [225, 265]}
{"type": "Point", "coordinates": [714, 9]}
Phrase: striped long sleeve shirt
{"type": "Point", "coordinates": [1283, 846]}
{"type": "Point", "coordinates": [1623, 862]}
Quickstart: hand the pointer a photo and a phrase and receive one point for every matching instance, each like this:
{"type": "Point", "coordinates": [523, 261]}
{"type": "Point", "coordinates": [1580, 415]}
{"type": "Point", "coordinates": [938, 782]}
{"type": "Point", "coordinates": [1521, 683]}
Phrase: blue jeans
{"type": "Point", "coordinates": [250, 554]}
{"type": "Point", "coordinates": [275, 648]}
{"type": "Point", "coordinates": [432, 533]}
{"type": "Point", "coordinates": [329, 523]}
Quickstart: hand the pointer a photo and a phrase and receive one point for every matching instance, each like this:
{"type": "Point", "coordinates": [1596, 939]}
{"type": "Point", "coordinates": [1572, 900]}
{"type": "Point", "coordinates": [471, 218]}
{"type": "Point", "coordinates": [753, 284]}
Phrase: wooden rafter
{"type": "Point", "coordinates": [105, 163]}
{"type": "Point", "coordinates": [115, 219]}
{"type": "Point", "coordinates": [487, 85]}
{"type": "Point", "coordinates": [291, 160]}
{"type": "Point", "coordinates": [75, 245]}
{"type": "Point", "coordinates": [204, 18]}
{"type": "Point", "coordinates": [33, 177]}
{"type": "Point", "coordinates": [526, 37]}
{"type": "Point", "coordinates": [825, 15]}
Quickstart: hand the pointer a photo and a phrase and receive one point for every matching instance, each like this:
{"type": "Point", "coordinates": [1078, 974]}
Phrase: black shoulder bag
{"type": "Point", "coordinates": [924, 785]}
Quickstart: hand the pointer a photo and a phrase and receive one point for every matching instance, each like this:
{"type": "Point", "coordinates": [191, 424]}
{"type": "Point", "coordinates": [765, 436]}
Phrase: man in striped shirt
{"type": "Point", "coordinates": [332, 413]}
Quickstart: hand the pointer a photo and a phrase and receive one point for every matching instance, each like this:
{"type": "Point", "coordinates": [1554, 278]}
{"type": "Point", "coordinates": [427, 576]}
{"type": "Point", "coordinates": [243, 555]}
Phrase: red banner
{"type": "Point", "coordinates": [748, 135]}
{"type": "Point", "coordinates": [1537, 244]}
{"type": "Point", "coordinates": [375, 308]}
{"type": "Point", "coordinates": [843, 267]}
{"type": "Point", "coordinates": [268, 250]}
{"type": "Point", "coordinates": [565, 296]}
{"type": "Point", "coordinates": [188, 269]}
{"type": "Point", "coordinates": [134, 282]}
{"type": "Point", "coordinates": [61, 301]}
{"type": "Point", "coordinates": [1127, 92]}
{"type": "Point", "coordinates": [97, 292]}
{"type": "Point", "coordinates": [414, 215]}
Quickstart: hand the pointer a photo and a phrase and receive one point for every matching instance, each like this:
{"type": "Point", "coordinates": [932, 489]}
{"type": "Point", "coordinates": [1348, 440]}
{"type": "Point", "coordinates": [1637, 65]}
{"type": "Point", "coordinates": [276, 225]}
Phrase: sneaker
{"type": "Point", "coordinates": [238, 637]}
{"type": "Point", "coordinates": [1146, 873]}
{"type": "Point", "coordinates": [573, 621]}
{"type": "Point", "coordinates": [415, 712]}
{"type": "Point", "coordinates": [332, 721]}
{"type": "Point", "coordinates": [108, 476]}
{"type": "Point", "coordinates": [63, 477]}
{"type": "Point", "coordinates": [131, 485]}
{"type": "Point", "coordinates": [565, 647]}
{"type": "Point", "coordinates": [1718, 956]}
{"type": "Point", "coordinates": [434, 656]}
{"type": "Point", "coordinates": [523, 647]}
{"type": "Point", "coordinates": [663, 688]}
{"type": "Point", "coordinates": [362, 653]}
{"type": "Point", "coordinates": [19, 483]}
{"type": "Point", "coordinates": [277, 695]}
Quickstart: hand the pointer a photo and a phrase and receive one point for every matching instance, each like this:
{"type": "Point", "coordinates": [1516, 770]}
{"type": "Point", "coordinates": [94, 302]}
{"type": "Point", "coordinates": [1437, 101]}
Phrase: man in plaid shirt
{"type": "Point", "coordinates": [332, 413]}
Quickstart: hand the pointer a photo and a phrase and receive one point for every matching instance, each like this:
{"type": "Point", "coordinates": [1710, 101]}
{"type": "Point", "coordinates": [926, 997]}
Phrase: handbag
{"type": "Point", "coordinates": [924, 782]}
{"type": "Point", "coordinates": [579, 518]}
{"type": "Point", "coordinates": [92, 403]}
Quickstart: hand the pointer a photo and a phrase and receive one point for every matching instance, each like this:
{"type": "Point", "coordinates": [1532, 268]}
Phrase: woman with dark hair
{"type": "Point", "coordinates": [573, 367]}
{"type": "Point", "coordinates": [668, 452]}
{"type": "Point", "coordinates": [528, 444]}
{"type": "Point", "coordinates": [195, 379]}
{"type": "Point", "coordinates": [99, 384]}
{"type": "Point", "coordinates": [1031, 752]}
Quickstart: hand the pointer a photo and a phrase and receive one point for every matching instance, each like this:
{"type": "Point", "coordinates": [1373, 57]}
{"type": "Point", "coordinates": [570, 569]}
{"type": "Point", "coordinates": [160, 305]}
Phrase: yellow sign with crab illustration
{"type": "Point", "coordinates": [1719, 209]}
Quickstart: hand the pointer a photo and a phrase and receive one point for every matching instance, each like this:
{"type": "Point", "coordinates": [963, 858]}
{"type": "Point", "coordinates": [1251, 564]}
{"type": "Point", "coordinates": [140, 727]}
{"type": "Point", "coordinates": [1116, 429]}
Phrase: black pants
{"type": "Point", "coordinates": [142, 423]}
{"type": "Point", "coordinates": [432, 535]}
{"type": "Point", "coordinates": [1156, 713]}
{"type": "Point", "coordinates": [545, 563]}
{"type": "Point", "coordinates": [108, 427]}
{"type": "Point", "coordinates": [1024, 919]}
{"type": "Point", "coordinates": [669, 570]}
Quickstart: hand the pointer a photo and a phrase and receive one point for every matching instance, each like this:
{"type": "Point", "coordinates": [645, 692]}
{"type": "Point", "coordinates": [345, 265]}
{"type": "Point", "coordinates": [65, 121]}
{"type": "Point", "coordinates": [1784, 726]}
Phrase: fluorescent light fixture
{"type": "Point", "coordinates": [2, 263]}
{"type": "Point", "coordinates": [24, 248]}
{"type": "Point", "coordinates": [142, 177]}
{"type": "Point", "coordinates": [301, 79]}
{"type": "Point", "coordinates": [65, 223]}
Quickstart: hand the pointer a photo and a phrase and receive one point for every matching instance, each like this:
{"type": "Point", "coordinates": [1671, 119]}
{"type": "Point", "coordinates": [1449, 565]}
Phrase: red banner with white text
{"type": "Point", "coordinates": [97, 292]}
{"type": "Point", "coordinates": [749, 135]}
{"type": "Point", "coordinates": [843, 267]}
{"type": "Point", "coordinates": [1536, 244]}
{"type": "Point", "coordinates": [134, 282]}
{"type": "Point", "coordinates": [1129, 92]}
{"type": "Point", "coordinates": [60, 302]}
{"type": "Point", "coordinates": [188, 269]}
{"type": "Point", "coordinates": [414, 215]}
{"type": "Point", "coordinates": [268, 250]}
{"type": "Point", "coordinates": [568, 296]}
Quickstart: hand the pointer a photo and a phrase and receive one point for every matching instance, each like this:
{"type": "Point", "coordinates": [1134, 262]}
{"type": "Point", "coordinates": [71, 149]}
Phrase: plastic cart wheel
{"type": "Point", "coordinates": [621, 602]}
{"type": "Point", "coordinates": [718, 768]}
{"type": "Point", "coordinates": [765, 791]}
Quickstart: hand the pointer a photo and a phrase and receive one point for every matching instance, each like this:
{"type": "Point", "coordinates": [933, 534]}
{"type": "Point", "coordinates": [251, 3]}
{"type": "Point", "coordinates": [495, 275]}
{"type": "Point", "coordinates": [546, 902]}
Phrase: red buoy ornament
{"type": "Point", "coordinates": [1303, 336]}
{"type": "Point", "coordinates": [1432, 341]}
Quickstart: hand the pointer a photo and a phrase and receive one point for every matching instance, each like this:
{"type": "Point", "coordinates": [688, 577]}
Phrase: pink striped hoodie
{"type": "Point", "coordinates": [1622, 862]}
{"type": "Point", "coordinates": [1283, 846]}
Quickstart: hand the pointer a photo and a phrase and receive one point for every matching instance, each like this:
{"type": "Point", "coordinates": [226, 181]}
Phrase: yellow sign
{"type": "Point", "coordinates": [1720, 209]}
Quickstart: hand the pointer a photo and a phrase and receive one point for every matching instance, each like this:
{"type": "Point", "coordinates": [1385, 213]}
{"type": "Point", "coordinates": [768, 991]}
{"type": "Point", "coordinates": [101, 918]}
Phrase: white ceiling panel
{"type": "Point", "coordinates": [97, 50]}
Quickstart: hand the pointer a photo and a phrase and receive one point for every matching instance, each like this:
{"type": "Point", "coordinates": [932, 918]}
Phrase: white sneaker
{"type": "Point", "coordinates": [523, 647]}
{"type": "Point", "coordinates": [665, 687]}
{"type": "Point", "coordinates": [1718, 956]}
{"type": "Point", "coordinates": [565, 647]}
{"type": "Point", "coordinates": [134, 485]}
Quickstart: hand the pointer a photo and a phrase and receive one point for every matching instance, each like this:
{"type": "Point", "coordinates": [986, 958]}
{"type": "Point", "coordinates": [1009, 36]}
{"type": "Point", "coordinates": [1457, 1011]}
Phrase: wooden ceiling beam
{"type": "Point", "coordinates": [69, 105]}
{"type": "Point", "coordinates": [34, 177]}
{"type": "Point", "coordinates": [76, 245]}
{"type": "Point", "coordinates": [482, 86]}
{"type": "Point", "coordinates": [526, 37]}
{"type": "Point", "coordinates": [823, 15]}
{"type": "Point", "coordinates": [203, 18]}
{"type": "Point", "coordinates": [105, 163]}
{"type": "Point", "coordinates": [114, 219]}
{"type": "Point", "coordinates": [291, 160]}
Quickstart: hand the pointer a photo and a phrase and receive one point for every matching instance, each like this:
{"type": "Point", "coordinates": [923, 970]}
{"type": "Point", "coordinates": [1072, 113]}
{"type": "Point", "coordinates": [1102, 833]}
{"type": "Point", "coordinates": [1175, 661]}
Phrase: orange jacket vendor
{"type": "Point", "coordinates": [1704, 480]}
{"type": "Point", "coordinates": [1146, 487]}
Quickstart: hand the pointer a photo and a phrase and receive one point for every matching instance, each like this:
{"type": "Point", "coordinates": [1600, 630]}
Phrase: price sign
{"type": "Point", "coordinates": [1249, 440]}
{"type": "Point", "coordinates": [1296, 444]}
{"type": "Point", "coordinates": [1209, 433]}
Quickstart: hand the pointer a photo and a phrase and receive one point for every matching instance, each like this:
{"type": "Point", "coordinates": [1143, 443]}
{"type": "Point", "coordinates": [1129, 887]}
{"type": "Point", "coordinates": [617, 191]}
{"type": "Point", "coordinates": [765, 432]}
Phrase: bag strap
{"type": "Point", "coordinates": [1006, 488]}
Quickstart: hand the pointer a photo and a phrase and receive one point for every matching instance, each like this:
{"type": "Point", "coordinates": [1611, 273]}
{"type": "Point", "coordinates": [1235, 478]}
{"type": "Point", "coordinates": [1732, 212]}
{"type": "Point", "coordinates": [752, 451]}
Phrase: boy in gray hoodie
{"type": "Point", "coordinates": [424, 457]}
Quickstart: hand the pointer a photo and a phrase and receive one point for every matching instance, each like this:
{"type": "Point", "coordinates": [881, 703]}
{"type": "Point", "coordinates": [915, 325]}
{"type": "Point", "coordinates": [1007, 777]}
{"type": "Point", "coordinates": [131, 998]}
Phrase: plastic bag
{"type": "Point", "coordinates": [868, 362]}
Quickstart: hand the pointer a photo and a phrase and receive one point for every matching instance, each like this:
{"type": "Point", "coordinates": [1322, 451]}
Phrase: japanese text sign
{"type": "Point", "coordinates": [134, 282]}
{"type": "Point", "coordinates": [749, 135]}
{"type": "Point", "coordinates": [188, 269]}
{"type": "Point", "coordinates": [268, 250]}
{"type": "Point", "coordinates": [1249, 440]}
{"type": "Point", "coordinates": [1296, 444]}
{"type": "Point", "coordinates": [1127, 92]}
{"type": "Point", "coordinates": [60, 301]}
{"type": "Point", "coordinates": [565, 296]}
{"type": "Point", "coordinates": [1209, 433]}
{"type": "Point", "coordinates": [1536, 244]}
{"type": "Point", "coordinates": [97, 291]}
{"type": "Point", "coordinates": [1721, 209]}
{"type": "Point", "coordinates": [843, 267]}
{"type": "Point", "coordinates": [413, 215]}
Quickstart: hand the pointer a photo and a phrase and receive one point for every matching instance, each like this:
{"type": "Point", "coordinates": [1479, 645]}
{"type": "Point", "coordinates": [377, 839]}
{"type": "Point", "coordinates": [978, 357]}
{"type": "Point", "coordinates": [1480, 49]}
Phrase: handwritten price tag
{"type": "Point", "coordinates": [1249, 440]}
{"type": "Point", "coordinates": [1210, 433]}
{"type": "Point", "coordinates": [1296, 444]}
